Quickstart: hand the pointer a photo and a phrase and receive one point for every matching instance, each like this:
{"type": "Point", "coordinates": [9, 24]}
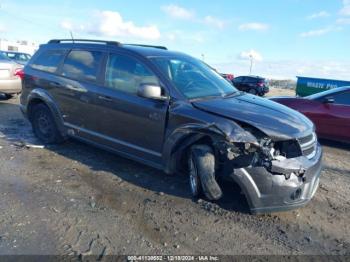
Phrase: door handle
{"type": "Point", "coordinates": [55, 84]}
{"type": "Point", "coordinates": [73, 87]}
{"type": "Point", "coordinates": [105, 98]}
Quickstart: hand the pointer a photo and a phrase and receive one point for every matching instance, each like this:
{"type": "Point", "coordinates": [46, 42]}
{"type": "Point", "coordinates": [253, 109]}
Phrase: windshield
{"type": "Point", "coordinates": [193, 78]}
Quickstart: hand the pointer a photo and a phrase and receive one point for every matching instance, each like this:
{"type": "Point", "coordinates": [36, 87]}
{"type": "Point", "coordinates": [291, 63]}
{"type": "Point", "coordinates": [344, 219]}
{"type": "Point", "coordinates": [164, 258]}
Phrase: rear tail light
{"type": "Point", "coordinates": [19, 72]}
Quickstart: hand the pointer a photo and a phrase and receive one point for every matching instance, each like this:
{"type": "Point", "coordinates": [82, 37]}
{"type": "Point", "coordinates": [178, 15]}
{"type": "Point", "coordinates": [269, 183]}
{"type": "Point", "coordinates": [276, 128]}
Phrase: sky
{"type": "Point", "coordinates": [285, 38]}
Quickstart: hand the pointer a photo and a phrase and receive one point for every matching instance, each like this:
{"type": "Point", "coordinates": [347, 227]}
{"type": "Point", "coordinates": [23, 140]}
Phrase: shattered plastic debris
{"type": "Point", "coordinates": [35, 146]}
{"type": "Point", "coordinates": [21, 144]}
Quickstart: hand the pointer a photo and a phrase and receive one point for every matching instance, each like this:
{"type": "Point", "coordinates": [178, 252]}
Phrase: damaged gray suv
{"type": "Point", "coordinates": [172, 112]}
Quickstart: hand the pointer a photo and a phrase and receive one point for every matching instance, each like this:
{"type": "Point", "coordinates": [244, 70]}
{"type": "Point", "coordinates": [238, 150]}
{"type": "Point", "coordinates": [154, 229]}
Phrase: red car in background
{"type": "Point", "coordinates": [329, 110]}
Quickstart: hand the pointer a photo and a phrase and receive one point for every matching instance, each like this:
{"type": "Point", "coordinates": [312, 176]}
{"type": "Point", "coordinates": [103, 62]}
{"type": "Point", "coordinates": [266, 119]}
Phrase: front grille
{"type": "Point", "coordinates": [308, 145]}
{"type": "Point", "coordinates": [306, 139]}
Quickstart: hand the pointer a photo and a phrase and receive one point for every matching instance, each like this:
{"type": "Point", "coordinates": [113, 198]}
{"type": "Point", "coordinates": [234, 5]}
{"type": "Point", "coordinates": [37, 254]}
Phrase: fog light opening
{"type": "Point", "coordinates": [296, 195]}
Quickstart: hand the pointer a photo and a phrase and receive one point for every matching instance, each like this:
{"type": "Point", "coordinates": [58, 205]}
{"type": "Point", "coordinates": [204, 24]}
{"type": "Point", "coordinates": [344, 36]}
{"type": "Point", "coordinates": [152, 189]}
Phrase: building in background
{"type": "Point", "coordinates": [18, 46]}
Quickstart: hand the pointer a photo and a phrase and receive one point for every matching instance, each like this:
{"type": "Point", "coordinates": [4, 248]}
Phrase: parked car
{"type": "Point", "coordinates": [228, 77]}
{"type": "Point", "coordinates": [172, 112]}
{"type": "Point", "coordinates": [254, 85]}
{"type": "Point", "coordinates": [19, 58]}
{"type": "Point", "coordinates": [329, 110]}
{"type": "Point", "coordinates": [10, 77]}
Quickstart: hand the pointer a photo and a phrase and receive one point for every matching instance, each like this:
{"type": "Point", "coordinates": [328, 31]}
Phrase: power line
{"type": "Point", "coordinates": [20, 17]}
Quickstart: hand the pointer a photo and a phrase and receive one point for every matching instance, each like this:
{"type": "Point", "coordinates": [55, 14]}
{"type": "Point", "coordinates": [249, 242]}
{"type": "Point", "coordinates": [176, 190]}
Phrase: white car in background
{"type": "Point", "coordinates": [18, 57]}
{"type": "Point", "coordinates": [11, 75]}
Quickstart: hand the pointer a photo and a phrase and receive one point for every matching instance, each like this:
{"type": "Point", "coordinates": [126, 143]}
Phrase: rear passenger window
{"type": "Point", "coordinates": [48, 61]}
{"type": "Point", "coordinates": [82, 65]}
{"type": "Point", "coordinates": [126, 74]}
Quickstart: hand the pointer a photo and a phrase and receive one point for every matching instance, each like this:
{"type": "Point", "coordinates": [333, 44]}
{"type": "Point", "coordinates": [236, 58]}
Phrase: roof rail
{"type": "Point", "coordinates": [153, 46]}
{"type": "Point", "coordinates": [58, 41]}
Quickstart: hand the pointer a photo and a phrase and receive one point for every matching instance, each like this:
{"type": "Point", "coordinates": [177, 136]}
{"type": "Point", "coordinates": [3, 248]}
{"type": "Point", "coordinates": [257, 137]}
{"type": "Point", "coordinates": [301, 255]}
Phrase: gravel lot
{"type": "Point", "coordinates": [77, 200]}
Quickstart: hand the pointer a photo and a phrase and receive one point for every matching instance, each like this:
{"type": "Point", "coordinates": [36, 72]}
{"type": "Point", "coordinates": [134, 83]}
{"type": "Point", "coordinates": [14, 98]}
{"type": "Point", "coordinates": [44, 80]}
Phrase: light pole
{"type": "Point", "coordinates": [251, 63]}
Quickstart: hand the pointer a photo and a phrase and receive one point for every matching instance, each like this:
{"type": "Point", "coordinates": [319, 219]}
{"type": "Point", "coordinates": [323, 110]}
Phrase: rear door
{"type": "Point", "coordinates": [129, 123]}
{"type": "Point", "coordinates": [238, 83]}
{"type": "Point", "coordinates": [250, 83]}
{"type": "Point", "coordinates": [75, 89]}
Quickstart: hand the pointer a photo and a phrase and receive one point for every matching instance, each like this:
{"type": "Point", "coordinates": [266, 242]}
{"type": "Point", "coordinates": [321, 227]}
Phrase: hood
{"type": "Point", "coordinates": [275, 120]}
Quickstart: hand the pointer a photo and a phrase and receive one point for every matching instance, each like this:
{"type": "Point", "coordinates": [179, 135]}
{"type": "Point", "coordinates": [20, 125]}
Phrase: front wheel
{"type": "Point", "coordinates": [202, 173]}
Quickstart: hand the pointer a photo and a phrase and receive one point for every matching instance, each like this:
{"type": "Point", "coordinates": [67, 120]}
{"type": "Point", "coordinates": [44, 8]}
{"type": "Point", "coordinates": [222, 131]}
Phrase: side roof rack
{"type": "Point", "coordinates": [59, 41]}
{"type": "Point", "coordinates": [153, 46]}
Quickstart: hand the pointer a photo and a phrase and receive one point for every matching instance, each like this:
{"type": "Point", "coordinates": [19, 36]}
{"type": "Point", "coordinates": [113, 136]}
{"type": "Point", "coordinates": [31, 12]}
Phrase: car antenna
{"type": "Point", "coordinates": [71, 35]}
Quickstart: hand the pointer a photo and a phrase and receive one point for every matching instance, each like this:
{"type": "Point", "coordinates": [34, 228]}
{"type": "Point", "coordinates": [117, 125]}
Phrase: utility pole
{"type": "Point", "coordinates": [71, 35]}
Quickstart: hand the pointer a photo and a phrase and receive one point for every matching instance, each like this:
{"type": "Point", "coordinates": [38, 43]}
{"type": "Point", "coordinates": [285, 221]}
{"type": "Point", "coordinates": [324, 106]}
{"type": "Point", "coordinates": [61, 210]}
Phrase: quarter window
{"type": "Point", "coordinates": [82, 65]}
{"type": "Point", "coordinates": [48, 61]}
{"type": "Point", "coordinates": [126, 74]}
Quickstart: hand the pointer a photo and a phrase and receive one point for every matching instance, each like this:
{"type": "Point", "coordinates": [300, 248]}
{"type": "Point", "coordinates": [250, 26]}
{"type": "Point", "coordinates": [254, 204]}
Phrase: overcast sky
{"type": "Point", "coordinates": [286, 37]}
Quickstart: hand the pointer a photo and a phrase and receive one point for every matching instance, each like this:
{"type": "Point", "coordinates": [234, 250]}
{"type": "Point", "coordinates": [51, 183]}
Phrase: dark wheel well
{"type": "Point", "coordinates": [182, 163]}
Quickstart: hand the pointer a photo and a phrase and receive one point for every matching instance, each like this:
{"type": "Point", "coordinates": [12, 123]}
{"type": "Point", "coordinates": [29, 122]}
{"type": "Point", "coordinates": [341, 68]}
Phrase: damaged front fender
{"type": "Point", "coordinates": [188, 134]}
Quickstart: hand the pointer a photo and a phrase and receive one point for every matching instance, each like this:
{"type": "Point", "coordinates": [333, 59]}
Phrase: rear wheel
{"type": "Point", "coordinates": [202, 173]}
{"type": "Point", "coordinates": [44, 125]}
{"type": "Point", "coordinates": [5, 96]}
{"type": "Point", "coordinates": [252, 91]}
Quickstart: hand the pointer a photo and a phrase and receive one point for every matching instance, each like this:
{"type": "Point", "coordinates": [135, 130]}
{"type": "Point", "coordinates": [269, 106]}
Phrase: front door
{"type": "Point", "coordinates": [129, 123]}
{"type": "Point", "coordinates": [333, 119]}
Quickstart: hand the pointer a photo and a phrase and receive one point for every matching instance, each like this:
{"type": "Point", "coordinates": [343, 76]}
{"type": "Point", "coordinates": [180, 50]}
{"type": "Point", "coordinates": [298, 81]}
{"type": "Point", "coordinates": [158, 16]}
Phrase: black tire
{"type": "Point", "coordinates": [44, 126]}
{"type": "Point", "coordinates": [5, 96]}
{"type": "Point", "coordinates": [202, 171]}
{"type": "Point", "coordinates": [252, 91]}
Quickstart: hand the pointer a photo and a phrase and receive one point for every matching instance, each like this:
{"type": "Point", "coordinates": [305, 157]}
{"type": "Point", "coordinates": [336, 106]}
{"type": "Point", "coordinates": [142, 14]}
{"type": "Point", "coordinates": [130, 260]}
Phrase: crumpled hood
{"type": "Point", "coordinates": [275, 120]}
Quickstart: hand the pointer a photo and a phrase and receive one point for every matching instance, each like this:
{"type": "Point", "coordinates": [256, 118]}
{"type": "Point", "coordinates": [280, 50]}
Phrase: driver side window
{"type": "Point", "coordinates": [126, 74]}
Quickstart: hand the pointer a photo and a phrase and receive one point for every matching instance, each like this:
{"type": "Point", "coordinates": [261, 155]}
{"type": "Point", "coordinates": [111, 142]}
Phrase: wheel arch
{"type": "Point", "coordinates": [41, 96]}
{"type": "Point", "coordinates": [179, 143]}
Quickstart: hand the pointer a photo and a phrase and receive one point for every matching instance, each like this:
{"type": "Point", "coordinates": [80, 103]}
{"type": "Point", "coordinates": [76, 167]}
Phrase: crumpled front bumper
{"type": "Point", "coordinates": [267, 192]}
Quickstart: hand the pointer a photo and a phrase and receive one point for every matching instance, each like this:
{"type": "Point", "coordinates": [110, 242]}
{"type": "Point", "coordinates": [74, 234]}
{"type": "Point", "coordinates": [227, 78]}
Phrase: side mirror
{"type": "Point", "coordinates": [151, 91]}
{"type": "Point", "coordinates": [328, 100]}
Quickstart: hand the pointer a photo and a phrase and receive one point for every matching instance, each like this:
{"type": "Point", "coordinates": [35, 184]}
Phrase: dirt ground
{"type": "Point", "coordinates": [75, 199]}
{"type": "Point", "coordinates": [281, 92]}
